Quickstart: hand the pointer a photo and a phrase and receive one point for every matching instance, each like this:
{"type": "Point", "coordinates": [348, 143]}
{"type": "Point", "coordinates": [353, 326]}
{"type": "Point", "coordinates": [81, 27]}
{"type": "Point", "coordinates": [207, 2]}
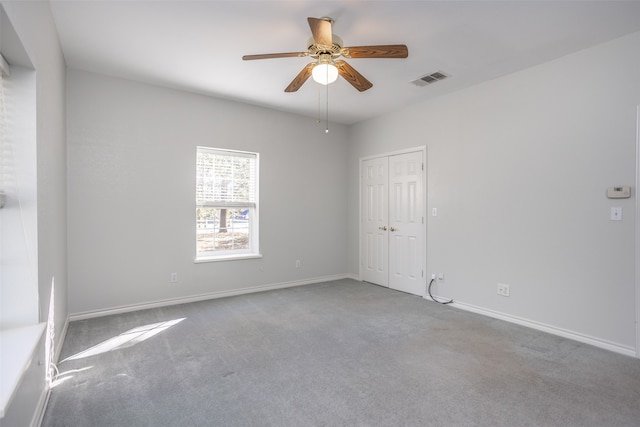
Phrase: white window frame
{"type": "Point", "coordinates": [253, 251]}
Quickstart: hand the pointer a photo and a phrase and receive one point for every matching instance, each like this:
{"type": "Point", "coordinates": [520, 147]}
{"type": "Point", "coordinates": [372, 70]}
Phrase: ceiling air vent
{"type": "Point", "coordinates": [430, 78]}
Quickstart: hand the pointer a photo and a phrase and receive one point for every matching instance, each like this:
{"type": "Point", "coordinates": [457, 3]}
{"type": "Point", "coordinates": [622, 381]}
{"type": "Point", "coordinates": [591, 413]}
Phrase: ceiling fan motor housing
{"type": "Point", "coordinates": [335, 49]}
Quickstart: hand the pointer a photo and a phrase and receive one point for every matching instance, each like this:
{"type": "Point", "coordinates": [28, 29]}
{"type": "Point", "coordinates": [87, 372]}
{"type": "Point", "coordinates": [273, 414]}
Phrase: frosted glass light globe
{"type": "Point", "coordinates": [325, 73]}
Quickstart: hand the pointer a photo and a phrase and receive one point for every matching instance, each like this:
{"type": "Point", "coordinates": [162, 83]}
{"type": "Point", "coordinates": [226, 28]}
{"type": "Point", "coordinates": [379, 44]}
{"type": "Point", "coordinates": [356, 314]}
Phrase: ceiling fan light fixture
{"type": "Point", "coordinates": [325, 73]}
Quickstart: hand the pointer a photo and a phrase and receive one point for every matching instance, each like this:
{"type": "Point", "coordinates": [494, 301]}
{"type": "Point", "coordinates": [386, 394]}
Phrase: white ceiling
{"type": "Point", "coordinates": [197, 46]}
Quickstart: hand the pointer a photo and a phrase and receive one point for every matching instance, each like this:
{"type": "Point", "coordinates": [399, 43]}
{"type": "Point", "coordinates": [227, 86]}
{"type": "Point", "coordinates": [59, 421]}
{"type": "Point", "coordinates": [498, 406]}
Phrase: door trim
{"type": "Point", "coordinates": [637, 233]}
{"type": "Point", "coordinates": [423, 150]}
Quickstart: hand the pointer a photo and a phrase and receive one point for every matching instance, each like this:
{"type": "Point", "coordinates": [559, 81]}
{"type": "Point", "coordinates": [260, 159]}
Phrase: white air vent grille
{"type": "Point", "coordinates": [430, 78]}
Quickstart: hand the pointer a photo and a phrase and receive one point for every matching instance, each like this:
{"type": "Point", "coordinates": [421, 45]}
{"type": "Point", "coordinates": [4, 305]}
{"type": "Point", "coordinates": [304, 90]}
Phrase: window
{"type": "Point", "coordinates": [226, 204]}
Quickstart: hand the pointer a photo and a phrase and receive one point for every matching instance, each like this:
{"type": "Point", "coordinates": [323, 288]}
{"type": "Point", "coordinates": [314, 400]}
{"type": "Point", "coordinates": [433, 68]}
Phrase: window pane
{"type": "Point", "coordinates": [221, 230]}
{"type": "Point", "coordinates": [226, 203]}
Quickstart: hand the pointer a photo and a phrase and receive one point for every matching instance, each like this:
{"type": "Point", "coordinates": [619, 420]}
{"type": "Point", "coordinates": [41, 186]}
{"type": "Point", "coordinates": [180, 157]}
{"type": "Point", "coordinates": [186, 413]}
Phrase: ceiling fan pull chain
{"type": "Point", "coordinates": [326, 130]}
{"type": "Point", "coordinates": [319, 120]}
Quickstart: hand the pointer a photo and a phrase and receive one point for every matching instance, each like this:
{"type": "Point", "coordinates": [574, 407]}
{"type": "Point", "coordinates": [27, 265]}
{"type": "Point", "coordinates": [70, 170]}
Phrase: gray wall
{"type": "Point", "coordinates": [131, 160]}
{"type": "Point", "coordinates": [518, 168]}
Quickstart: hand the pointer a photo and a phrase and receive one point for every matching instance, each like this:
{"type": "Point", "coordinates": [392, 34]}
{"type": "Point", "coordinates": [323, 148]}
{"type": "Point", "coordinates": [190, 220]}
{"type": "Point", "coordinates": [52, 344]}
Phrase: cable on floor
{"type": "Point", "coordinates": [432, 297]}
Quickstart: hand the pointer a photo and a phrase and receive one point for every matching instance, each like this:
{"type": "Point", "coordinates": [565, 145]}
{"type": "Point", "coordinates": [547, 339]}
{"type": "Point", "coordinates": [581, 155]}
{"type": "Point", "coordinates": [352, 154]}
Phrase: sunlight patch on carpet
{"type": "Point", "coordinates": [126, 339]}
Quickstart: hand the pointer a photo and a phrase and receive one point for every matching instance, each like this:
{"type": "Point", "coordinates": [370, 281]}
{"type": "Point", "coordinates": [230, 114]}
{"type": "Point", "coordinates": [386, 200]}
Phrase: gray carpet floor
{"type": "Point", "coordinates": [340, 353]}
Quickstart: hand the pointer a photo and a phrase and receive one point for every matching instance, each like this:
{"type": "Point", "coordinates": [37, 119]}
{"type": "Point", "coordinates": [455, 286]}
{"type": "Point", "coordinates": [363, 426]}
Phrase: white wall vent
{"type": "Point", "coordinates": [430, 78]}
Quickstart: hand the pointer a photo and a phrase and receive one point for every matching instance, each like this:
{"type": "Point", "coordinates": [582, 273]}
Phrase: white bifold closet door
{"type": "Point", "coordinates": [393, 229]}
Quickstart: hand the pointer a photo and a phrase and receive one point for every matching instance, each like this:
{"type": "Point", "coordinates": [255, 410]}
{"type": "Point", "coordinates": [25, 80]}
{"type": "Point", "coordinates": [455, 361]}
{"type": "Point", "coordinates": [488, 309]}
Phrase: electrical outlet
{"type": "Point", "coordinates": [174, 277]}
{"type": "Point", "coordinates": [440, 276]}
{"type": "Point", "coordinates": [297, 263]}
{"type": "Point", "coordinates": [503, 289]}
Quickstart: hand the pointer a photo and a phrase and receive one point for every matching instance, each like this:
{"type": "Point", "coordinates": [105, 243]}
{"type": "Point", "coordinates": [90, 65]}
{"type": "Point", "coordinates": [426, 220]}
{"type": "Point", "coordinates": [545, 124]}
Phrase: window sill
{"type": "Point", "coordinates": [18, 346]}
{"type": "Point", "coordinates": [227, 258]}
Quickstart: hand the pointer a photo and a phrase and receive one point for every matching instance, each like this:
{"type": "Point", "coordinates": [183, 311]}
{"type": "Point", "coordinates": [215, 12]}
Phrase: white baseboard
{"type": "Point", "coordinates": [38, 415]}
{"type": "Point", "coordinates": [201, 297]}
{"type": "Point", "coordinates": [63, 335]}
{"type": "Point", "coordinates": [586, 339]}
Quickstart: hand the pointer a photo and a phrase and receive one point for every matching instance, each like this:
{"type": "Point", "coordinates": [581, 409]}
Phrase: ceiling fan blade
{"type": "Point", "coordinates": [352, 76]}
{"type": "Point", "coordinates": [302, 77]}
{"type": "Point", "coordinates": [321, 30]}
{"type": "Point", "coordinates": [275, 55]}
{"type": "Point", "coordinates": [382, 51]}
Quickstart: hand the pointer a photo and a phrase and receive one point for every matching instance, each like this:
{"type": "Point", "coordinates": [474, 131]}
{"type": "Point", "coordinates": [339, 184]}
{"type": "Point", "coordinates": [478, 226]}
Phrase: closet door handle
{"type": "Point", "coordinates": [383, 228]}
{"type": "Point", "coordinates": [393, 229]}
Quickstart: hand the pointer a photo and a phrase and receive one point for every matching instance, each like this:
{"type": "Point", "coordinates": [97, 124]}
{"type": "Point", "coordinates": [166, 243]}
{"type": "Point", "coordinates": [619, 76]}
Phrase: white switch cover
{"type": "Point", "coordinates": [434, 212]}
{"type": "Point", "coordinates": [616, 214]}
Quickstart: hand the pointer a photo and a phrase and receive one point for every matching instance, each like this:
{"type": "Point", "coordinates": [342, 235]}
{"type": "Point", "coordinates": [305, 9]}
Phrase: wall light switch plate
{"type": "Point", "coordinates": [616, 214]}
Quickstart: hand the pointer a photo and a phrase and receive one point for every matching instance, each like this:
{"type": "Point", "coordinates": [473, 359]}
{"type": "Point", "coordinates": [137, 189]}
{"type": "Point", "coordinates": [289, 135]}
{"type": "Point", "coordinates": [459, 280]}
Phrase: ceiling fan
{"type": "Point", "coordinates": [325, 47]}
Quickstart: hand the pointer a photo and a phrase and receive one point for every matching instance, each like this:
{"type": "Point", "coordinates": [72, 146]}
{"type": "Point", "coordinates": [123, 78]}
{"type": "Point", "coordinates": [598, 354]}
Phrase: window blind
{"type": "Point", "coordinates": [225, 179]}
